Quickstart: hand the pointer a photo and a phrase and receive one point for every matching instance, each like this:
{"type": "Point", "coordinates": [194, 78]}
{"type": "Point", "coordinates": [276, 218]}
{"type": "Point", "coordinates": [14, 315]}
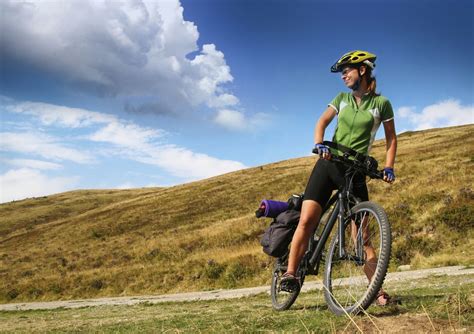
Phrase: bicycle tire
{"type": "Point", "coordinates": [345, 280]}
{"type": "Point", "coordinates": [281, 300]}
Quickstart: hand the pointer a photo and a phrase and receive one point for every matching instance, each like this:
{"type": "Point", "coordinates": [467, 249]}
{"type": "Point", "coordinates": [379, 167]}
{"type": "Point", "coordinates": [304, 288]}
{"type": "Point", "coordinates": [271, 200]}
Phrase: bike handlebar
{"type": "Point", "coordinates": [362, 163]}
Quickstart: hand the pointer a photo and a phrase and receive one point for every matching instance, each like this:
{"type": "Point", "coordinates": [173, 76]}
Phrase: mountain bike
{"type": "Point", "coordinates": [359, 246]}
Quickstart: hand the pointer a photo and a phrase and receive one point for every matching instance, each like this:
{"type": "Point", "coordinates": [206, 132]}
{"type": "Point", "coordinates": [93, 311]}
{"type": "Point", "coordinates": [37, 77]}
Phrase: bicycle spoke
{"type": "Point", "coordinates": [350, 279]}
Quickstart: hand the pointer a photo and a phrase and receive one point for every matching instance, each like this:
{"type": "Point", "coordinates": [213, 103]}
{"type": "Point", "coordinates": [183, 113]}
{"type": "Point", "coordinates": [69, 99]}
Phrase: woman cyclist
{"type": "Point", "coordinates": [359, 115]}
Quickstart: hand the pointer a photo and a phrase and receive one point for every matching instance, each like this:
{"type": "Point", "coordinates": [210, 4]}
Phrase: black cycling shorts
{"type": "Point", "coordinates": [328, 176]}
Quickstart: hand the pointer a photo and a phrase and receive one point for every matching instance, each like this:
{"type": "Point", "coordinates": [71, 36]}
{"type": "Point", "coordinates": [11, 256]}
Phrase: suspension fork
{"type": "Point", "coordinates": [360, 240]}
{"type": "Point", "coordinates": [344, 205]}
{"type": "Point", "coordinates": [340, 219]}
{"type": "Point", "coordinates": [363, 238]}
{"type": "Point", "coordinates": [358, 235]}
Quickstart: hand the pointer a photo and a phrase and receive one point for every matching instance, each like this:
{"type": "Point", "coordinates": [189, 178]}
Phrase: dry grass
{"type": "Point", "coordinates": [437, 305]}
{"type": "Point", "coordinates": [203, 235]}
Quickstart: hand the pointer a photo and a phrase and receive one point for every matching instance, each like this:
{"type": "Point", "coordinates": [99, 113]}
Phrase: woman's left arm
{"type": "Point", "coordinates": [391, 142]}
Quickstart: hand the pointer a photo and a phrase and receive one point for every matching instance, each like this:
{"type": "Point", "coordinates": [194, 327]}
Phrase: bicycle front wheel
{"type": "Point", "coordinates": [353, 279]}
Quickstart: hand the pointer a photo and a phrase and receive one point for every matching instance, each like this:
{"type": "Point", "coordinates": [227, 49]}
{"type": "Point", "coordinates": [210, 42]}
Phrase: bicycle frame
{"type": "Point", "coordinates": [340, 199]}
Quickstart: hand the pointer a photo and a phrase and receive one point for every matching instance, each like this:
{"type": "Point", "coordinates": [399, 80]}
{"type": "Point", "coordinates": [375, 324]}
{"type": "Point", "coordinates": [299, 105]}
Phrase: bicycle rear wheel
{"type": "Point", "coordinates": [281, 300]}
{"type": "Point", "coordinates": [367, 246]}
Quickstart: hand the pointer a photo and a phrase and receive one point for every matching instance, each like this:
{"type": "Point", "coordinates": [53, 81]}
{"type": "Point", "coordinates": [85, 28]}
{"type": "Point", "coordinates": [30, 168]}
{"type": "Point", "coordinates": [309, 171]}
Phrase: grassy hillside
{"type": "Point", "coordinates": [203, 235]}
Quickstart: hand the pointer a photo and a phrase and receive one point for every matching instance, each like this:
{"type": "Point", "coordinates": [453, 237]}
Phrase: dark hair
{"type": "Point", "coordinates": [371, 82]}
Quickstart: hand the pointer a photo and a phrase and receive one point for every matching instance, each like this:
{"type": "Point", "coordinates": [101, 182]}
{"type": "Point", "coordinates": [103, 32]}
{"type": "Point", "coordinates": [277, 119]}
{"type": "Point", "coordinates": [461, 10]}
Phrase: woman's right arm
{"type": "Point", "coordinates": [322, 124]}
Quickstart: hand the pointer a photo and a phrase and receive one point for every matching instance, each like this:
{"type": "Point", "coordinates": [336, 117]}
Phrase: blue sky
{"type": "Point", "coordinates": [98, 94]}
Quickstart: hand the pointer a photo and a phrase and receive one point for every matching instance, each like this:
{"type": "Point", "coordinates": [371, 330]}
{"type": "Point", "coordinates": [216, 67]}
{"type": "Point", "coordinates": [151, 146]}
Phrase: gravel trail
{"type": "Point", "coordinates": [220, 294]}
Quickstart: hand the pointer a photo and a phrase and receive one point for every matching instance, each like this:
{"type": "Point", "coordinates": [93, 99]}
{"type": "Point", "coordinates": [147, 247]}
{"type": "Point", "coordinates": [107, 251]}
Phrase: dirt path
{"type": "Point", "coordinates": [221, 294]}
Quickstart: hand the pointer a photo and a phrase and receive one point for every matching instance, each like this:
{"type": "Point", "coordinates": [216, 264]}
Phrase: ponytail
{"type": "Point", "coordinates": [372, 86]}
{"type": "Point", "coordinates": [371, 83]}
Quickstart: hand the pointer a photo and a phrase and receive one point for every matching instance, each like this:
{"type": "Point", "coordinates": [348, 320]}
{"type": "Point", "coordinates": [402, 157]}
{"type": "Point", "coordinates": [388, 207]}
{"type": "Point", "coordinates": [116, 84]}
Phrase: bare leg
{"type": "Point", "coordinates": [310, 214]}
{"type": "Point", "coordinates": [370, 263]}
{"type": "Point", "coordinates": [369, 269]}
{"type": "Point", "coordinates": [371, 257]}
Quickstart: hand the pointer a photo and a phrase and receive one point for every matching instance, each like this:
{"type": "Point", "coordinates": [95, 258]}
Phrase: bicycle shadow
{"type": "Point", "coordinates": [317, 307]}
{"type": "Point", "coordinates": [403, 304]}
{"type": "Point", "coordinates": [387, 311]}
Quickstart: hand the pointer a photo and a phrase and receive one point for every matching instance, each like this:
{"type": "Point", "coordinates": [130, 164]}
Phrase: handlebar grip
{"type": "Point", "coordinates": [378, 175]}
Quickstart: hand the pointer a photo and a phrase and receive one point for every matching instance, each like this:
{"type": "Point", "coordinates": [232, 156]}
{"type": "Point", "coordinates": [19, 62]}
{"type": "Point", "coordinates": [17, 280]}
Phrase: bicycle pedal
{"type": "Point", "coordinates": [289, 287]}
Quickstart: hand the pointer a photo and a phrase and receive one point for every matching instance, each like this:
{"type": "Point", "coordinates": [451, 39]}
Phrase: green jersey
{"type": "Point", "coordinates": [357, 125]}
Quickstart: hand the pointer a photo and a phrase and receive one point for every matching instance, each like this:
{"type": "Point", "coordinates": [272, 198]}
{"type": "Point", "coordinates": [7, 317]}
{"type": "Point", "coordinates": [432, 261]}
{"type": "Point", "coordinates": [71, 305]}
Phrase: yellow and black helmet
{"type": "Point", "coordinates": [357, 57]}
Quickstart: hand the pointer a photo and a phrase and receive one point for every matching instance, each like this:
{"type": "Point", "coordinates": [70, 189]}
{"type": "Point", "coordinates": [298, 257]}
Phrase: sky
{"type": "Point", "coordinates": [99, 94]}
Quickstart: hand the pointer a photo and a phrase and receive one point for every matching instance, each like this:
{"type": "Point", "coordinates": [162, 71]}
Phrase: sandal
{"type": "Point", "coordinates": [386, 299]}
{"type": "Point", "coordinates": [289, 282]}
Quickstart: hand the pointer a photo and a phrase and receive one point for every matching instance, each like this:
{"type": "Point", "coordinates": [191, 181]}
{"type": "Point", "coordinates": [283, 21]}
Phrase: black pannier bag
{"type": "Point", "coordinates": [295, 202]}
{"type": "Point", "coordinates": [278, 235]}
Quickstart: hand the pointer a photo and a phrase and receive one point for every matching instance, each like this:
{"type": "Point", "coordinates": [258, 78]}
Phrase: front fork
{"type": "Point", "coordinates": [340, 220]}
{"type": "Point", "coordinates": [356, 234]}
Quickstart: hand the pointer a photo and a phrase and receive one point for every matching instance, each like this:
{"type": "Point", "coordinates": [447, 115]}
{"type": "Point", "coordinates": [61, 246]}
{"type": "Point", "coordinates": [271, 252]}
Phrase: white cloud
{"type": "Point", "coordinates": [21, 183]}
{"type": "Point", "coordinates": [126, 185]}
{"type": "Point", "coordinates": [231, 119]}
{"type": "Point", "coordinates": [39, 144]}
{"type": "Point", "coordinates": [50, 114]}
{"type": "Point", "coordinates": [33, 164]}
{"type": "Point", "coordinates": [223, 100]}
{"type": "Point", "coordinates": [212, 70]}
{"type": "Point", "coordinates": [442, 114]}
{"type": "Point", "coordinates": [128, 135]}
{"type": "Point", "coordinates": [127, 48]}
{"type": "Point", "coordinates": [236, 120]}
{"type": "Point", "coordinates": [128, 140]}
{"type": "Point", "coordinates": [139, 144]}
{"type": "Point", "coordinates": [405, 112]}
{"type": "Point", "coordinates": [186, 164]}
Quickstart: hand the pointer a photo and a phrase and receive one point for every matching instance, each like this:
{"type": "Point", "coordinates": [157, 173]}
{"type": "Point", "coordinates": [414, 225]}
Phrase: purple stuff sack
{"type": "Point", "coordinates": [273, 208]}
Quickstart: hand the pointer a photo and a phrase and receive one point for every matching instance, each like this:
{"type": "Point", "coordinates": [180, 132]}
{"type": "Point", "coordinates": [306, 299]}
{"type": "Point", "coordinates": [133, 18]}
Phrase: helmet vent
{"type": "Point", "coordinates": [355, 59]}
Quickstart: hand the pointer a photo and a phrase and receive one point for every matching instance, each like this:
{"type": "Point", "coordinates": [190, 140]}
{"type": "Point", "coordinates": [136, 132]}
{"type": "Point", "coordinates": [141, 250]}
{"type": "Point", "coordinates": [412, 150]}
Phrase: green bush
{"type": "Point", "coordinates": [35, 293]}
{"type": "Point", "coordinates": [241, 268]}
{"type": "Point", "coordinates": [12, 294]}
{"type": "Point", "coordinates": [234, 273]}
{"type": "Point", "coordinates": [213, 270]}
{"type": "Point", "coordinates": [458, 217]}
{"type": "Point", "coordinates": [97, 284]}
{"type": "Point", "coordinates": [404, 250]}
